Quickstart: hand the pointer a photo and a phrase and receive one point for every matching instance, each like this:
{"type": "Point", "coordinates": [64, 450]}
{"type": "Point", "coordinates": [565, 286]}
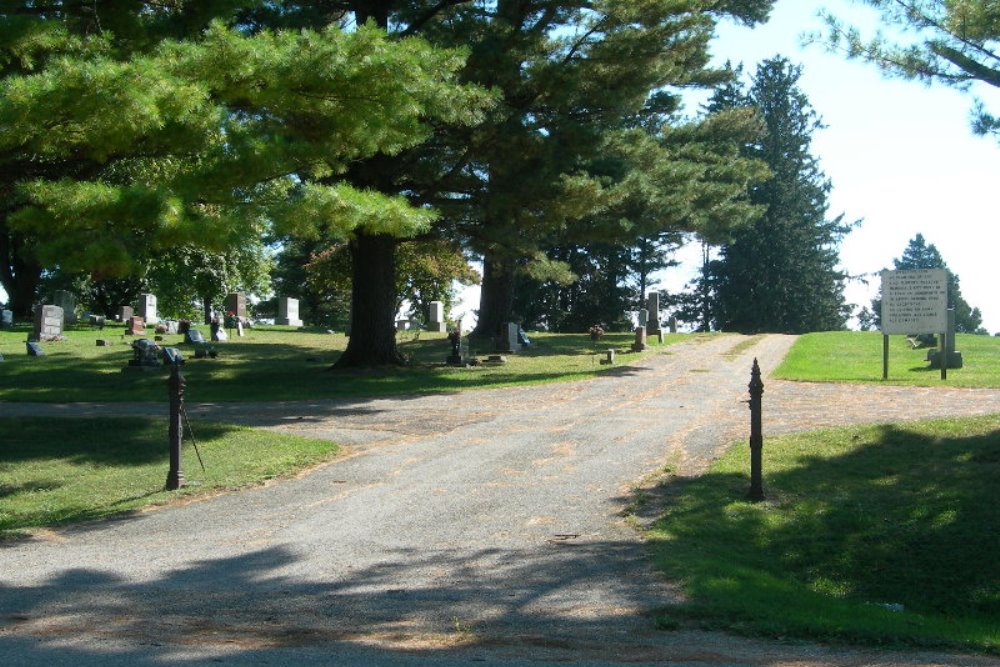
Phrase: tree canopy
{"type": "Point", "coordinates": [954, 42]}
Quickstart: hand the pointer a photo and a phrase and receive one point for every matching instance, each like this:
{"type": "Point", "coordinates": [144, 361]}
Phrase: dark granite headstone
{"type": "Point", "coordinates": [194, 337]}
{"type": "Point", "coordinates": [34, 349]}
{"type": "Point", "coordinates": [236, 304]}
{"type": "Point", "coordinates": [172, 356]}
{"type": "Point", "coordinates": [6, 319]}
{"type": "Point", "coordinates": [145, 353]}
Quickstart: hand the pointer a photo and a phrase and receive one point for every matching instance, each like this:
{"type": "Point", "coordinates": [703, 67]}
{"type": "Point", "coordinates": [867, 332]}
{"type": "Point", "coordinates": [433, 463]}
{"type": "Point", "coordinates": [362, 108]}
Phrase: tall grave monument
{"type": "Point", "coordinates": [236, 303]}
{"type": "Point", "coordinates": [436, 320]}
{"type": "Point", "coordinates": [288, 312]}
{"type": "Point", "coordinates": [653, 307]}
{"type": "Point", "coordinates": [147, 308]}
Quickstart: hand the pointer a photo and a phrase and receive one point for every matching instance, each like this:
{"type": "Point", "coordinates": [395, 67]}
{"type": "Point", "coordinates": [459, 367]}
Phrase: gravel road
{"type": "Point", "coordinates": [482, 526]}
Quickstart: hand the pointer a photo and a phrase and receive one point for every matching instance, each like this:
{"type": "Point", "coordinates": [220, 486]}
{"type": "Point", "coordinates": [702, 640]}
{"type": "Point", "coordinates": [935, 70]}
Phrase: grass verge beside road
{"type": "Point", "coordinates": [853, 356]}
{"type": "Point", "coordinates": [280, 363]}
{"type": "Point", "coordinates": [63, 470]}
{"type": "Point", "coordinates": [884, 535]}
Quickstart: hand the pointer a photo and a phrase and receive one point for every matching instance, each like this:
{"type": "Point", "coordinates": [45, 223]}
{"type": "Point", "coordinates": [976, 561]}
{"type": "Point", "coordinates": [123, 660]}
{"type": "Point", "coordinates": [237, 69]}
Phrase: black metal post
{"type": "Point", "coordinates": [176, 384]}
{"type": "Point", "coordinates": [885, 357]}
{"type": "Point", "coordinates": [756, 434]}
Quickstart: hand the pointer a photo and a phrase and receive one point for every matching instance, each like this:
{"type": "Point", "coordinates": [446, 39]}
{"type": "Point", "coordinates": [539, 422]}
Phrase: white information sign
{"type": "Point", "coordinates": [914, 301]}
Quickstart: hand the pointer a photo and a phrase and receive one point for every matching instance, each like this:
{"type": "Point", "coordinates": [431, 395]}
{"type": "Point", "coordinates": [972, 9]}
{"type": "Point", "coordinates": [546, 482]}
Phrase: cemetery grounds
{"type": "Point", "coordinates": [875, 535]}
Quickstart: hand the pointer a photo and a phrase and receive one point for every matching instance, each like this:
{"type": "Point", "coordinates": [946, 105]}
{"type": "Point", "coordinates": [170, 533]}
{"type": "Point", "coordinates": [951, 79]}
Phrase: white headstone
{"type": "Point", "coordinates": [288, 312]}
{"type": "Point", "coordinates": [147, 308]}
{"type": "Point", "coordinates": [436, 320]}
{"type": "Point", "coordinates": [48, 322]}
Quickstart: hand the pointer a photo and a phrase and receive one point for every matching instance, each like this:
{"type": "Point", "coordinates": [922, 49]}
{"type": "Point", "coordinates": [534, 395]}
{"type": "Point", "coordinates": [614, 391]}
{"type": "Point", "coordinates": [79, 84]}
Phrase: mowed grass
{"type": "Point", "coordinates": [62, 470]}
{"type": "Point", "coordinates": [852, 356]}
{"type": "Point", "coordinates": [885, 535]}
{"type": "Point", "coordinates": [281, 363]}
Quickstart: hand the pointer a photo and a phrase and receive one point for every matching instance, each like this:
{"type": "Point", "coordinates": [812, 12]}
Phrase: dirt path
{"type": "Point", "coordinates": [478, 526]}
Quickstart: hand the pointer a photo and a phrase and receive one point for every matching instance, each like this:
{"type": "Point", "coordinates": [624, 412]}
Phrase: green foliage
{"type": "Point", "coordinates": [851, 356]}
{"type": "Point", "coordinates": [58, 471]}
{"type": "Point", "coordinates": [953, 42]}
{"type": "Point", "coordinates": [779, 273]}
{"type": "Point", "coordinates": [918, 254]}
{"type": "Point", "coordinates": [874, 534]}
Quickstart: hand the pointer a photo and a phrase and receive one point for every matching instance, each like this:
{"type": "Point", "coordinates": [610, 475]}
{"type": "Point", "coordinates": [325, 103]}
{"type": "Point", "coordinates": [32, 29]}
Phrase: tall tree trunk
{"type": "Point", "coordinates": [373, 303]}
{"type": "Point", "coordinates": [19, 275]}
{"type": "Point", "coordinates": [496, 299]}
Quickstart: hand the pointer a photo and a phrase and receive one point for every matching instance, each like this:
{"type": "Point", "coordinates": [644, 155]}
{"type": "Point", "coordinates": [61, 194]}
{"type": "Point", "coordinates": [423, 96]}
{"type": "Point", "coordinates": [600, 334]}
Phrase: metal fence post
{"type": "Point", "coordinates": [756, 434]}
{"type": "Point", "coordinates": [176, 384]}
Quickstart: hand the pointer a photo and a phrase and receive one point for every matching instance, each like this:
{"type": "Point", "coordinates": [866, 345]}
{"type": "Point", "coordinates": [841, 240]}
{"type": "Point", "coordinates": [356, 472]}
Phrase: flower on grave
{"type": "Point", "coordinates": [596, 332]}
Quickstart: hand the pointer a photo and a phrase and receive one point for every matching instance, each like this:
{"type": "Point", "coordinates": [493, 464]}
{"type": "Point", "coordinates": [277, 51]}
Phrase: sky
{"type": "Point", "coordinates": [900, 156]}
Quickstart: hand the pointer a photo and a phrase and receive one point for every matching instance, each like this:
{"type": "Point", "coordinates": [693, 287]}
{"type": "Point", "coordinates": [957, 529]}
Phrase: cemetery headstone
{"type": "Point", "coordinates": [172, 326]}
{"type": "Point", "coordinates": [640, 340]}
{"type": "Point", "coordinates": [236, 303]}
{"type": "Point", "coordinates": [101, 342]}
{"type": "Point", "coordinates": [239, 328]}
{"type": "Point", "coordinates": [48, 323]}
{"type": "Point", "coordinates": [288, 312]}
{"type": "Point", "coordinates": [643, 317]}
{"type": "Point", "coordinates": [6, 319]}
{"type": "Point", "coordinates": [194, 337]}
{"type": "Point", "coordinates": [147, 308]}
{"type": "Point", "coordinates": [673, 324]}
{"type": "Point", "coordinates": [609, 357]}
{"type": "Point", "coordinates": [97, 321]}
{"type": "Point", "coordinates": [954, 357]}
{"type": "Point", "coordinates": [436, 319]}
{"type": "Point", "coordinates": [135, 326]}
{"type": "Point", "coordinates": [218, 333]}
{"type": "Point", "coordinates": [172, 356]}
{"type": "Point", "coordinates": [67, 302]}
{"type": "Point", "coordinates": [145, 354]}
{"type": "Point", "coordinates": [34, 349]}
{"type": "Point", "coordinates": [125, 313]}
{"type": "Point", "coordinates": [653, 306]}
{"type": "Point", "coordinates": [509, 337]}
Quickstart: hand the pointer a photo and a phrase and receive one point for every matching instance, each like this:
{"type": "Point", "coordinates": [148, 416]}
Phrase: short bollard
{"type": "Point", "coordinates": [176, 383]}
{"type": "Point", "coordinates": [756, 434]}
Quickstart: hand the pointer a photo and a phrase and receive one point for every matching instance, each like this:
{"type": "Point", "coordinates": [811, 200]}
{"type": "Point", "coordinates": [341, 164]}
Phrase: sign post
{"type": "Point", "coordinates": [913, 302]}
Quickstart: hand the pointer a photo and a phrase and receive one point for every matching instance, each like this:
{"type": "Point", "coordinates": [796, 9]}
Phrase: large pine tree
{"type": "Point", "coordinates": [780, 273]}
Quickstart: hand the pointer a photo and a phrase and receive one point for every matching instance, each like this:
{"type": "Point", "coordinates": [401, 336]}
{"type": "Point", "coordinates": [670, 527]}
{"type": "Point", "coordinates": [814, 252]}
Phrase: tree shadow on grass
{"type": "Point", "coordinates": [905, 519]}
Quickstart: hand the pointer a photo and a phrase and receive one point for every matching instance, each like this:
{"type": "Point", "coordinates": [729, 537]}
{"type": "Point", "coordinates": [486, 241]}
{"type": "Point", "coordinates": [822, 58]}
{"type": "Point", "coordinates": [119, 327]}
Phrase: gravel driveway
{"type": "Point", "coordinates": [483, 526]}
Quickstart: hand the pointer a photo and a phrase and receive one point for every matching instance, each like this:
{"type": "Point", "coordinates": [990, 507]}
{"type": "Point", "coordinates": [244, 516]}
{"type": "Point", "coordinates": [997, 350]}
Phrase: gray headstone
{"type": "Point", "coordinates": [97, 321]}
{"type": "Point", "coordinates": [34, 349]}
{"type": "Point", "coordinates": [48, 322]}
{"type": "Point", "coordinates": [435, 322]}
{"type": "Point", "coordinates": [509, 339]}
{"type": "Point", "coordinates": [6, 318]}
{"type": "Point", "coordinates": [67, 302]}
{"type": "Point", "coordinates": [643, 317]}
{"type": "Point", "coordinates": [288, 312]}
{"type": "Point", "coordinates": [172, 356]}
{"type": "Point", "coordinates": [673, 325]}
{"type": "Point", "coordinates": [147, 308]}
{"type": "Point", "coordinates": [219, 335]}
{"type": "Point", "coordinates": [125, 313]}
{"type": "Point", "coordinates": [640, 340]}
{"type": "Point", "coordinates": [653, 306]}
{"type": "Point", "coordinates": [194, 336]}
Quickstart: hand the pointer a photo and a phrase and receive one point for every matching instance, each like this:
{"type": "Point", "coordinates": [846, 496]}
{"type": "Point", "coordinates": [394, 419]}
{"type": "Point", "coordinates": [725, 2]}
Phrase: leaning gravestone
{"type": "Point", "coordinates": [135, 326]}
{"type": "Point", "coordinates": [6, 319]}
{"type": "Point", "coordinates": [48, 323]}
{"type": "Point", "coordinates": [288, 312]}
{"type": "Point", "coordinates": [436, 320]}
{"type": "Point", "coordinates": [67, 302]}
{"type": "Point", "coordinates": [147, 308]}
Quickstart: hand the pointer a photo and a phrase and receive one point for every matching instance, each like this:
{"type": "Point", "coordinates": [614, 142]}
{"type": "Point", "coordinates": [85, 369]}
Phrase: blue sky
{"type": "Point", "coordinates": [900, 156]}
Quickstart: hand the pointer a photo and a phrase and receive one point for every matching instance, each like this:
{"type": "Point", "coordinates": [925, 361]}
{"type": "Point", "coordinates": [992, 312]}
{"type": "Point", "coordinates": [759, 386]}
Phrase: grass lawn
{"type": "Point", "coordinates": [884, 535]}
{"type": "Point", "coordinates": [55, 471]}
{"type": "Point", "coordinates": [281, 363]}
{"type": "Point", "coordinates": [852, 356]}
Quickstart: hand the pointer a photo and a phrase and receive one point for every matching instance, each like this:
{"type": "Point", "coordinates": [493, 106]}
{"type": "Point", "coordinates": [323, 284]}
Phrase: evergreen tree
{"type": "Point", "coordinates": [779, 273]}
{"type": "Point", "coordinates": [919, 254]}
